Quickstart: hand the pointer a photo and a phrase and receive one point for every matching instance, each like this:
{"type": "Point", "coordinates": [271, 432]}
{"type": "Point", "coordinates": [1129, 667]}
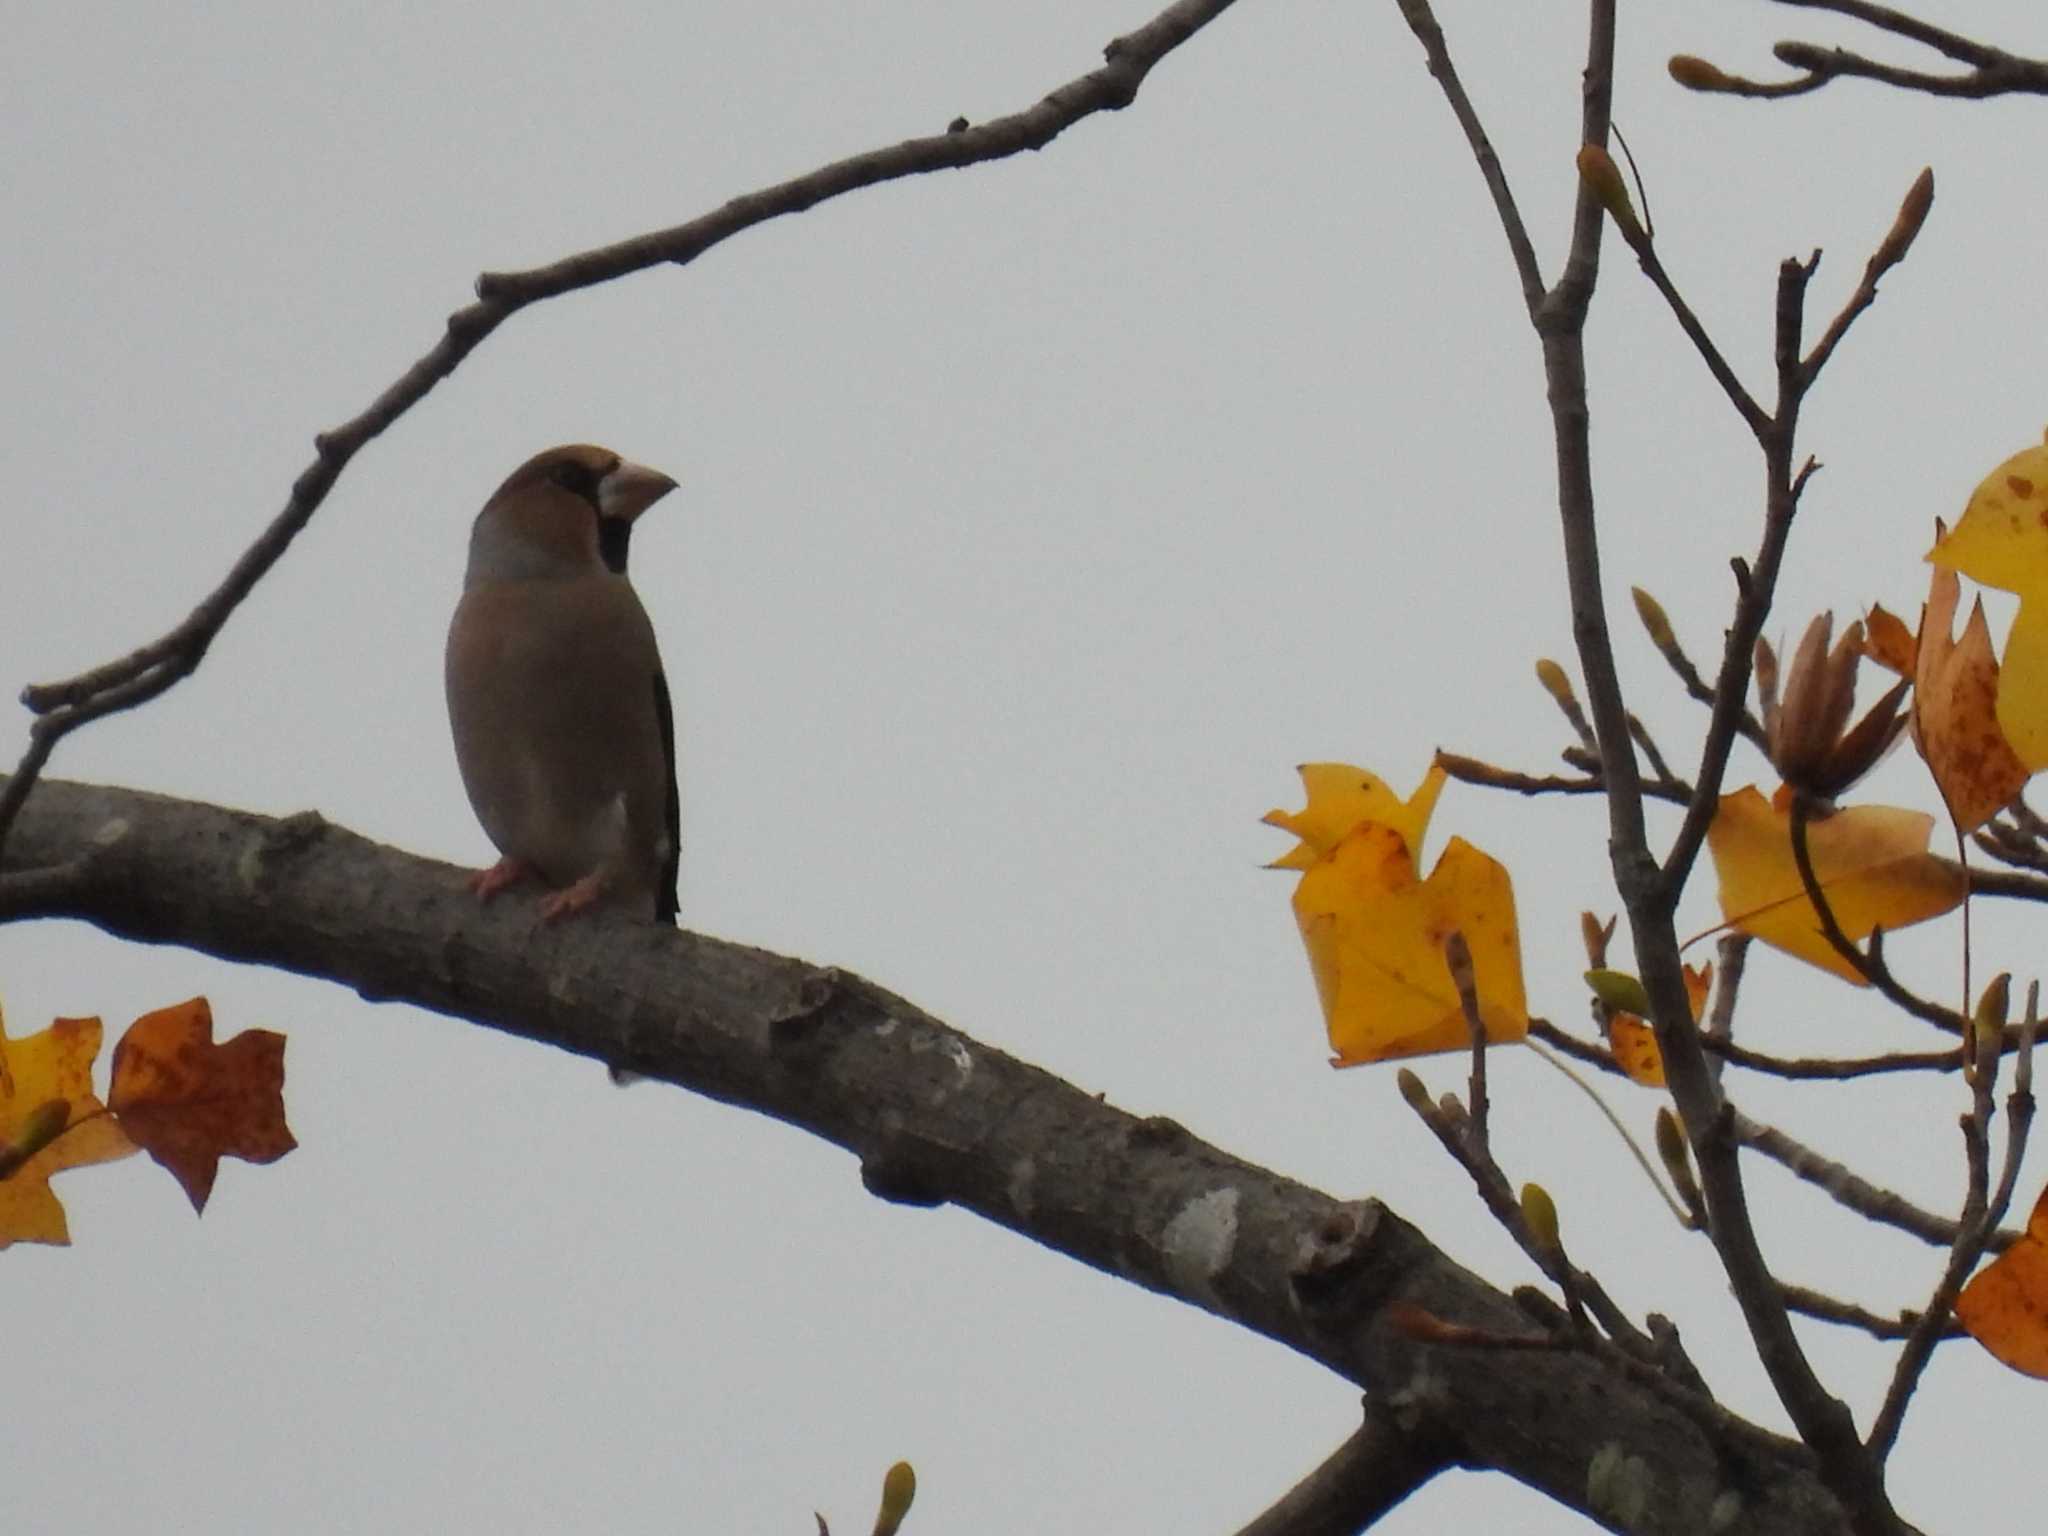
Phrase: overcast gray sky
{"type": "Point", "coordinates": [1035, 521]}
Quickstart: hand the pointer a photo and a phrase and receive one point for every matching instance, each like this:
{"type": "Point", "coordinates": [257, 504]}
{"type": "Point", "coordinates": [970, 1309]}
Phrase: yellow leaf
{"type": "Point", "coordinates": [1375, 937]}
{"type": "Point", "coordinates": [52, 1067]}
{"type": "Point", "coordinates": [2002, 541]}
{"type": "Point", "coordinates": [1955, 710]}
{"type": "Point", "coordinates": [1870, 860]}
{"type": "Point", "coordinates": [2005, 1305]}
{"type": "Point", "coordinates": [1340, 797]}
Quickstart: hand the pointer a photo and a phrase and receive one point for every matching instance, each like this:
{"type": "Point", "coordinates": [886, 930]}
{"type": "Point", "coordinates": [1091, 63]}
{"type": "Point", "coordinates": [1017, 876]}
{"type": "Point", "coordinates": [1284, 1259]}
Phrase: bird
{"type": "Point", "coordinates": [564, 732]}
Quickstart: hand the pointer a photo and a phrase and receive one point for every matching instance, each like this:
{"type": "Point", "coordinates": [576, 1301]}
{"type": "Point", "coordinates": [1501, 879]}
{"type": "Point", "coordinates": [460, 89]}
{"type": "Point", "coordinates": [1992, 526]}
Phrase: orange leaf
{"type": "Point", "coordinates": [1870, 860]}
{"type": "Point", "coordinates": [1633, 1045]}
{"type": "Point", "coordinates": [1887, 641]}
{"type": "Point", "coordinates": [54, 1067]}
{"type": "Point", "coordinates": [1955, 710]}
{"type": "Point", "coordinates": [187, 1102]}
{"type": "Point", "coordinates": [2002, 541]}
{"type": "Point", "coordinates": [2005, 1305]}
{"type": "Point", "coordinates": [1341, 797]}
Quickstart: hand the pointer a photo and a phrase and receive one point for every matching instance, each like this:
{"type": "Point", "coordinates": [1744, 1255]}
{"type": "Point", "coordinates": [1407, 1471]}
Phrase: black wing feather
{"type": "Point", "coordinates": [666, 905]}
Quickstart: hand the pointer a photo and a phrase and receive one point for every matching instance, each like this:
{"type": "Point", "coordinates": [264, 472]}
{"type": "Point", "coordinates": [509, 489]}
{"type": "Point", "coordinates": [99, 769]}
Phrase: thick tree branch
{"type": "Point", "coordinates": [142, 674]}
{"type": "Point", "coordinates": [1379, 1466]}
{"type": "Point", "coordinates": [934, 1116]}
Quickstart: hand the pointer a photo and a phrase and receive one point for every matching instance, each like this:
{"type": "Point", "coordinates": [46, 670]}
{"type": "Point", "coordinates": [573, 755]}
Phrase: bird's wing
{"type": "Point", "coordinates": [666, 903]}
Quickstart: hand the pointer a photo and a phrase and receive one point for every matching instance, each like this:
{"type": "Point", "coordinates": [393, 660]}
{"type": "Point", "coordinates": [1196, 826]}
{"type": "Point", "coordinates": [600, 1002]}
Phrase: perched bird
{"type": "Point", "coordinates": [561, 716]}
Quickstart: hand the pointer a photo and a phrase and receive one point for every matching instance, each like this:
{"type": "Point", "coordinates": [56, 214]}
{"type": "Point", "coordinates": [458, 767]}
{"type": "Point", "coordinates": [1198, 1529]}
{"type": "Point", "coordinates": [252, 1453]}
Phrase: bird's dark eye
{"type": "Point", "coordinates": [576, 478]}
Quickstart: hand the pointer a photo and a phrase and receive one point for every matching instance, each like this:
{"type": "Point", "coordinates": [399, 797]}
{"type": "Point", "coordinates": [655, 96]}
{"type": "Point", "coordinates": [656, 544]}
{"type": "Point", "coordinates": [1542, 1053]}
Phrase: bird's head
{"type": "Point", "coordinates": [561, 512]}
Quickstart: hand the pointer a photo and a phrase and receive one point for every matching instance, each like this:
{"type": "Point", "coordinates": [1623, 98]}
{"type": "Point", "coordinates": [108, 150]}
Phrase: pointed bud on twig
{"type": "Point", "coordinates": [1602, 178]}
{"type": "Point", "coordinates": [1415, 1093]}
{"type": "Point", "coordinates": [1596, 936]}
{"type": "Point", "coordinates": [1557, 683]}
{"type": "Point", "coordinates": [1655, 621]}
{"type": "Point", "coordinates": [1906, 227]}
{"type": "Point", "coordinates": [899, 1487]}
{"type": "Point", "coordinates": [1987, 1025]}
{"type": "Point", "coordinates": [1676, 1156]}
{"type": "Point", "coordinates": [1540, 1212]}
{"type": "Point", "coordinates": [1696, 74]}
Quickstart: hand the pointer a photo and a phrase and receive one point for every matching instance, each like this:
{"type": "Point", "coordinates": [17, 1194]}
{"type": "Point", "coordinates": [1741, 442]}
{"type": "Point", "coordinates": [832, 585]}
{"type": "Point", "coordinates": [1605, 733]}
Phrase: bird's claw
{"type": "Point", "coordinates": [571, 899]}
{"type": "Point", "coordinates": [488, 882]}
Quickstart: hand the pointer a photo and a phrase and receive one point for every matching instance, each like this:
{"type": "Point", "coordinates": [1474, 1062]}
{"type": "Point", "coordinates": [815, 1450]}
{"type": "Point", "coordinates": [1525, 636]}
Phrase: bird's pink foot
{"type": "Point", "coordinates": [571, 899]}
{"type": "Point", "coordinates": [488, 882]}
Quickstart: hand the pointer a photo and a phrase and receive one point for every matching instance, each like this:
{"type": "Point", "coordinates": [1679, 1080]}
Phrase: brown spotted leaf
{"type": "Point", "coordinates": [188, 1102]}
{"type": "Point", "coordinates": [1955, 710]}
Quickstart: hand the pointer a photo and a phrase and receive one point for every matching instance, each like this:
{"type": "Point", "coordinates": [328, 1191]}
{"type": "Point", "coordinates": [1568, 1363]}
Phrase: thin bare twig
{"type": "Point", "coordinates": [142, 674]}
{"type": "Point", "coordinates": [1832, 1309]}
{"type": "Point", "coordinates": [1423, 23]}
{"type": "Point", "coordinates": [1665, 639]}
{"type": "Point", "coordinates": [1836, 1068]}
{"type": "Point", "coordinates": [1982, 1211]}
{"type": "Point", "coordinates": [1851, 1190]}
{"type": "Point", "coordinates": [1889, 253]}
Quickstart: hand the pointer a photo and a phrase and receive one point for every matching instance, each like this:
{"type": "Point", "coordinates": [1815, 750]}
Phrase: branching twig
{"type": "Point", "coordinates": [1982, 1211]}
{"type": "Point", "coordinates": [1836, 1068]}
{"type": "Point", "coordinates": [1449, 1123]}
{"type": "Point", "coordinates": [1991, 71]}
{"type": "Point", "coordinates": [1471, 770]}
{"type": "Point", "coordinates": [1832, 1309]}
{"type": "Point", "coordinates": [1665, 639]}
{"type": "Point", "coordinates": [1851, 1190]}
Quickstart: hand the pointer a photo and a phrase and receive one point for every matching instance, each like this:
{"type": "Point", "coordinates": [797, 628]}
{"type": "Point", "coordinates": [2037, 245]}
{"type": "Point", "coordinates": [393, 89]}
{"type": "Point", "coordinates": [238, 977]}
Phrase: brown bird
{"type": "Point", "coordinates": [561, 716]}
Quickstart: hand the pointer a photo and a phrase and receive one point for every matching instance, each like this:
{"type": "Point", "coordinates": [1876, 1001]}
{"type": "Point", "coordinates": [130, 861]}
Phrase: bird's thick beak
{"type": "Point", "coordinates": [630, 490]}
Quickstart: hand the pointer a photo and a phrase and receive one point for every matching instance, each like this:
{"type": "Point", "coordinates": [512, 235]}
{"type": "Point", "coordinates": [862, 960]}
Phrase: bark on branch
{"type": "Point", "coordinates": [934, 1117]}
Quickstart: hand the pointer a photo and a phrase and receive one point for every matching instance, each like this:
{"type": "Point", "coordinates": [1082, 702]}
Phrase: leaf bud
{"type": "Point", "coordinates": [899, 1487]}
{"type": "Point", "coordinates": [1656, 623]}
{"type": "Point", "coordinates": [1912, 215]}
{"type": "Point", "coordinates": [1697, 74]}
{"type": "Point", "coordinates": [1556, 682]}
{"type": "Point", "coordinates": [1676, 1156]}
{"type": "Point", "coordinates": [1603, 178]}
{"type": "Point", "coordinates": [1987, 1022]}
{"type": "Point", "coordinates": [1620, 991]}
{"type": "Point", "coordinates": [1414, 1091]}
{"type": "Point", "coordinates": [1540, 1212]}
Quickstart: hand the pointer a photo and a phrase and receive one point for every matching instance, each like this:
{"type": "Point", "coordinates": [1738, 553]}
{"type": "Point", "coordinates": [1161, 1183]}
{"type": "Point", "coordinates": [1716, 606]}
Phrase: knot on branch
{"type": "Point", "coordinates": [1331, 1258]}
{"type": "Point", "coordinates": [892, 1170]}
